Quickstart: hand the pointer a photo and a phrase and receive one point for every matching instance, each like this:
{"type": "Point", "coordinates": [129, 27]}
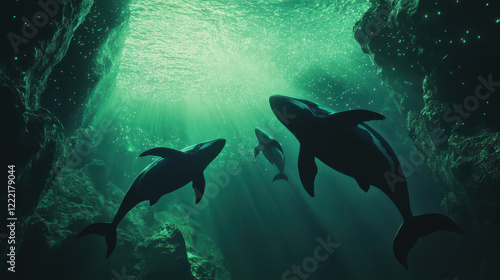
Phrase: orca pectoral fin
{"type": "Point", "coordinates": [364, 185]}
{"type": "Point", "coordinates": [199, 187]}
{"type": "Point", "coordinates": [354, 117]}
{"type": "Point", "coordinates": [164, 153]}
{"type": "Point", "coordinates": [307, 170]}
{"type": "Point", "coordinates": [274, 143]}
{"type": "Point", "coordinates": [256, 151]}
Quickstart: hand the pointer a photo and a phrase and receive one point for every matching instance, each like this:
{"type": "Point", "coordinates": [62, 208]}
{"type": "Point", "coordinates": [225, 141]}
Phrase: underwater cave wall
{"type": "Point", "coordinates": [31, 52]}
{"type": "Point", "coordinates": [63, 59]}
{"type": "Point", "coordinates": [60, 64]}
{"type": "Point", "coordinates": [38, 44]}
{"type": "Point", "coordinates": [440, 60]}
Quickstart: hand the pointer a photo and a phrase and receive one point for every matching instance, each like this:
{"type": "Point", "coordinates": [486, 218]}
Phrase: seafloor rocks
{"type": "Point", "coordinates": [164, 254]}
{"type": "Point", "coordinates": [440, 60]}
{"type": "Point", "coordinates": [80, 197]}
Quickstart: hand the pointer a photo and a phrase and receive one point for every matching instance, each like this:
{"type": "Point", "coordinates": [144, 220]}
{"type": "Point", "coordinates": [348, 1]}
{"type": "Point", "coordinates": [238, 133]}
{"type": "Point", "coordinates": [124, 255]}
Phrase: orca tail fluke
{"type": "Point", "coordinates": [108, 230]}
{"type": "Point", "coordinates": [280, 176]}
{"type": "Point", "coordinates": [419, 226]}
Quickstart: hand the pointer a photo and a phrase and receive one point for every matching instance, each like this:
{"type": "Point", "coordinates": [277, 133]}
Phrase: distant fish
{"type": "Point", "coordinates": [343, 142]}
{"type": "Point", "coordinates": [272, 151]}
{"type": "Point", "coordinates": [174, 170]}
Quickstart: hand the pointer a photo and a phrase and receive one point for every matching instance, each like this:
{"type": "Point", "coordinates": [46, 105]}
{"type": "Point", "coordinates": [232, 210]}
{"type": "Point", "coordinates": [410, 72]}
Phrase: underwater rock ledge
{"type": "Point", "coordinates": [440, 62]}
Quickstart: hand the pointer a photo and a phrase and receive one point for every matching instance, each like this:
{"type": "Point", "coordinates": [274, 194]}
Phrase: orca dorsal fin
{"type": "Point", "coordinates": [164, 153]}
{"type": "Point", "coordinates": [354, 117]}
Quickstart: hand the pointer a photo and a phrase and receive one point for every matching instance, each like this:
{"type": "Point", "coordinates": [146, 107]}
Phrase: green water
{"type": "Point", "coordinates": [192, 71]}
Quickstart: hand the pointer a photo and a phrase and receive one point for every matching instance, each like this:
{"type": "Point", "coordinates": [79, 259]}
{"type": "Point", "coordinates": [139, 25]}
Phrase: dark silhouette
{"type": "Point", "coordinates": [343, 142]}
{"type": "Point", "coordinates": [172, 171]}
{"type": "Point", "coordinates": [272, 151]}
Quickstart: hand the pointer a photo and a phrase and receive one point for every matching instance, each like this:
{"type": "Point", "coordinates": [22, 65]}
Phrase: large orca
{"type": "Point", "coordinates": [272, 151]}
{"type": "Point", "coordinates": [173, 170]}
{"type": "Point", "coordinates": [343, 142]}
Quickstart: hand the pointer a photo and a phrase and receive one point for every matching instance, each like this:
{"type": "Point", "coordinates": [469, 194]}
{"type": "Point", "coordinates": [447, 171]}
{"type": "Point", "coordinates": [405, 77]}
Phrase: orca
{"type": "Point", "coordinates": [173, 170]}
{"type": "Point", "coordinates": [342, 141]}
{"type": "Point", "coordinates": [272, 151]}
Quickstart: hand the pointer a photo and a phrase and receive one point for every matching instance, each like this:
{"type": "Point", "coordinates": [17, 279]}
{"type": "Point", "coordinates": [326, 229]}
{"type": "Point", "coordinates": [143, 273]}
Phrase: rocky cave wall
{"type": "Point", "coordinates": [56, 54]}
{"type": "Point", "coordinates": [440, 60]}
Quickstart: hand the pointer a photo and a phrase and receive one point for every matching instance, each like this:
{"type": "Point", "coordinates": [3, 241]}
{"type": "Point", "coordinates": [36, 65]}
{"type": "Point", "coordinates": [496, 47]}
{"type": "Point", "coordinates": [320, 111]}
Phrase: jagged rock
{"type": "Point", "coordinates": [35, 142]}
{"type": "Point", "coordinates": [164, 255]}
{"type": "Point", "coordinates": [206, 259]}
{"type": "Point", "coordinates": [73, 202]}
{"type": "Point", "coordinates": [34, 135]}
{"type": "Point", "coordinates": [202, 269]}
{"type": "Point", "coordinates": [97, 172]}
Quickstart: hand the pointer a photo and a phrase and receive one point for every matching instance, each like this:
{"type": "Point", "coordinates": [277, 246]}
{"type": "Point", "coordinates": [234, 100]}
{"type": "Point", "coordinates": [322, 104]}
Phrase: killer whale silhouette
{"type": "Point", "coordinates": [272, 151]}
{"type": "Point", "coordinates": [172, 171]}
{"type": "Point", "coordinates": [343, 142]}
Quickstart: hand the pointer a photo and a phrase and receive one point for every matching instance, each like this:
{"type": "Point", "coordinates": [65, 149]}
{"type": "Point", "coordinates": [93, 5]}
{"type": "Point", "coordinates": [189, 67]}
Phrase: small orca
{"type": "Point", "coordinates": [172, 171]}
{"type": "Point", "coordinates": [272, 151]}
{"type": "Point", "coordinates": [343, 142]}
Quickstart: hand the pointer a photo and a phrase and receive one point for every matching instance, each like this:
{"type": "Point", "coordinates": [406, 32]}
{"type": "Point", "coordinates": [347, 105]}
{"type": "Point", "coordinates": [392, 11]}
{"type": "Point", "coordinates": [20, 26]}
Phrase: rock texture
{"type": "Point", "coordinates": [440, 60]}
{"type": "Point", "coordinates": [80, 197]}
{"type": "Point", "coordinates": [35, 135]}
{"type": "Point", "coordinates": [58, 58]}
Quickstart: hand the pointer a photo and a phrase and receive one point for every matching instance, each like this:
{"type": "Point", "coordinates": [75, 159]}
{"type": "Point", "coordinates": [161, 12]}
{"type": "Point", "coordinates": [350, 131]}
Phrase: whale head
{"type": "Point", "coordinates": [206, 151]}
{"type": "Point", "coordinates": [295, 112]}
